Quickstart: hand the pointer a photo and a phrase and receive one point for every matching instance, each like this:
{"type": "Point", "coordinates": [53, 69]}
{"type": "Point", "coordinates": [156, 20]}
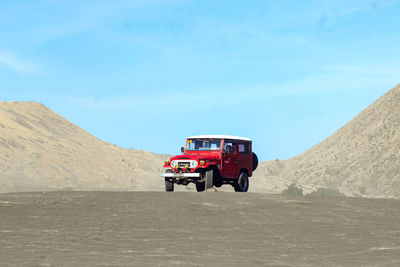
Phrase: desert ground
{"type": "Point", "coordinates": [192, 229]}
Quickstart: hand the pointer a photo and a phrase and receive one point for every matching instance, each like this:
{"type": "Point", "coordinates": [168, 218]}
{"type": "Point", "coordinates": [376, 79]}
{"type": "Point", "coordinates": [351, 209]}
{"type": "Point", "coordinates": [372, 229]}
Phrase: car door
{"type": "Point", "coordinates": [229, 159]}
{"type": "Point", "coordinates": [245, 157]}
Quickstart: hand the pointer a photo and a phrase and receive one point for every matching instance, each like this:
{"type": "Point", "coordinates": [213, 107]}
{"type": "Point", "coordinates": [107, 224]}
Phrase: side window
{"type": "Point", "coordinates": [244, 149]}
{"type": "Point", "coordinates": [230, 147]}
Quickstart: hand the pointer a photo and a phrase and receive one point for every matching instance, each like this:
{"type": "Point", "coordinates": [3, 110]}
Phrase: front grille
{"type": "Point", "coordinates": [182, 164]}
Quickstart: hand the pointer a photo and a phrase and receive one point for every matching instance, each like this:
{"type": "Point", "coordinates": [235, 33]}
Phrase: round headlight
{"type": "Point", "coordinates": [173, 164]}
{"type": "Point", "coordinates": [193, 164]}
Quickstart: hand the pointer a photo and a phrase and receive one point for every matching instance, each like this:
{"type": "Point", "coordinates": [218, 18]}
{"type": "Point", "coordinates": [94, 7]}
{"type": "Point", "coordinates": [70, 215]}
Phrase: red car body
{"type": "Point", "coordinates": [226, 157]}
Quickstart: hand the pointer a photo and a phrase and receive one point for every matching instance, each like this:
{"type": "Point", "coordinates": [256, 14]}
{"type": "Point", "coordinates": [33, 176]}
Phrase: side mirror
{"type": "Point", "coordinates": [225, 150]}
{"type": "Point", "coordinates": [182, 149]}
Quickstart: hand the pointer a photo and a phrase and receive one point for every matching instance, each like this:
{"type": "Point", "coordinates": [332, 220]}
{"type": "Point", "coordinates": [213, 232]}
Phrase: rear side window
{"type": "Point", "coordinates": [244, 149]}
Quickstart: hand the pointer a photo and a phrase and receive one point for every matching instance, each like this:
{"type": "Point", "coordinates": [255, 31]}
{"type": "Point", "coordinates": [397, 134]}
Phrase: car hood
{"type": "Point", "coordinates": [213, 156]}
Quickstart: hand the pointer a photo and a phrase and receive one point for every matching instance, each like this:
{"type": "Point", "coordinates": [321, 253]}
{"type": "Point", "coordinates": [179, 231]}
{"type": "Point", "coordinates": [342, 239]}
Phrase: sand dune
{"type": "Point", "coordinates": [360, 159]}
{"type": "Point", "coordinates": [40, 150]}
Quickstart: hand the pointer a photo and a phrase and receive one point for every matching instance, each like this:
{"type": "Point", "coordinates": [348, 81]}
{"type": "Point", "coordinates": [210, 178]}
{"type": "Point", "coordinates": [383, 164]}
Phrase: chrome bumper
{"type": "Point", "coordinates": [180, 175]}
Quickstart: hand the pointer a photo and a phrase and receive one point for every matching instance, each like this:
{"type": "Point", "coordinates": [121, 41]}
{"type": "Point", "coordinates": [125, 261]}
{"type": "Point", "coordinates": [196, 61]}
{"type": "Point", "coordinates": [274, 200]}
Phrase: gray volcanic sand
{"type": "Point", "coordinates": [190, 229]}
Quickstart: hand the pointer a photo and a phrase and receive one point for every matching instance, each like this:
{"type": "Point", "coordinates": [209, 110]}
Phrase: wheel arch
{"type": "Point", "coordinates": [217, 173]}
{"type": "Point", "coordinates": [244, 170]}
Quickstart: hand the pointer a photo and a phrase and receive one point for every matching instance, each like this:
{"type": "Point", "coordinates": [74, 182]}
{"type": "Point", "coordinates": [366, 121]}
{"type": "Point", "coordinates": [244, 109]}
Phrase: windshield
{"type": "Point", "coordinates": [203, 144]}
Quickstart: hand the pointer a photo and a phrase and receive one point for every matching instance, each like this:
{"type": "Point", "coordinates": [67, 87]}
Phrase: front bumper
{"type": "Point", "coordinates": [180, 175]}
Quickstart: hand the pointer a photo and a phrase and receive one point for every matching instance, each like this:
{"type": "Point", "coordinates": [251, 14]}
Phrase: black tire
{"type": "Point", "coordinates": [242, 184]}
{"type": "Point", "coordinates": [169, 186]}
{"type": "Point", "coordinates": [200, 186]}
{"type": "Point", "coordinates": [218, 182]}
{"type": "Point", "coordinates": [255, 161]}
{"type": "Point", "coordinates": [209, 177]}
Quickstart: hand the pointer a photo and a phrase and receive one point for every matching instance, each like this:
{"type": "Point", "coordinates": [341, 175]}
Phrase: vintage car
{"type": "Point", "coordinates": [212, 160]}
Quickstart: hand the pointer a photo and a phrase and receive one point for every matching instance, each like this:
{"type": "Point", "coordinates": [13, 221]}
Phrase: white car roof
{"type": "Point", "coordinates": [220, 137]}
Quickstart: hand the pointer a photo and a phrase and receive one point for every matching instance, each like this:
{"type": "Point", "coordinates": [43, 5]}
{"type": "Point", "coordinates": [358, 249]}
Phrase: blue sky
{"type": "Point", "coordinates": [146, 74]}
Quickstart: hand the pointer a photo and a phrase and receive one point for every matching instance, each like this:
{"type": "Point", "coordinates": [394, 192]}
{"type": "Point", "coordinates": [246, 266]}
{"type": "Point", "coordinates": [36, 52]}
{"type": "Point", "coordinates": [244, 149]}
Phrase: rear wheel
{"type": "Point", "coordinates": [218, 182]}
{"type": "Point", "coordinates": [169, 186]}
{"type": "Point", "coordinates": [242, 184]}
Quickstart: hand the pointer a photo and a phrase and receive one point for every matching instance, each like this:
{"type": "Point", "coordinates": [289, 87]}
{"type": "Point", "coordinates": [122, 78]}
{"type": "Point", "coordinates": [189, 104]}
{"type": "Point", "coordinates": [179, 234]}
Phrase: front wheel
{"type": "Point", "coordinates": [209, 178]}
{"type": "Point", "coordinates": [169, 186]}
{"type": "Point", "coordinates": [207, 182]}
{"type": "Point", "coordinates": [242, 184]}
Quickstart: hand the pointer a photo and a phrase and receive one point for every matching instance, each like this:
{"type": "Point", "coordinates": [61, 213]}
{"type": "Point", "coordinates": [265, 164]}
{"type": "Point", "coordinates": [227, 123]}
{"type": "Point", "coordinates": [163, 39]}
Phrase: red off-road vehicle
{"type": "Point", "coordinates": [212, 160]}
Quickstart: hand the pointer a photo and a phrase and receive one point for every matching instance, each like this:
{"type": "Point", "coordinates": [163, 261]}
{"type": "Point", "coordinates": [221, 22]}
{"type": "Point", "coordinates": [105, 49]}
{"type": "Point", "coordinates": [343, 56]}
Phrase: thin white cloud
{"type": "Point", "coordinates": [11, 61]}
